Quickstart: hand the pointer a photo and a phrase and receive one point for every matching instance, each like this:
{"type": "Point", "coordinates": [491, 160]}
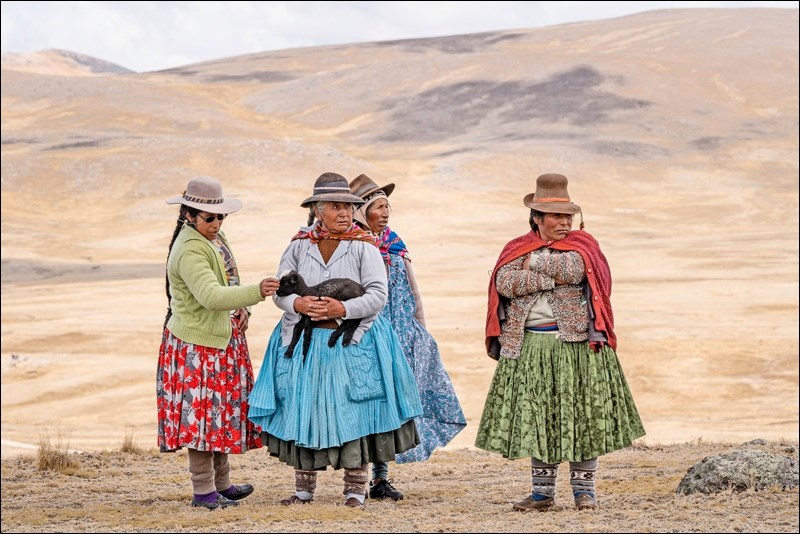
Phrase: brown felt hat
{"type": "Point", "coordinates": [331, 187]}
{"type": "Point", "coordinates": [363, 186]}
{"type": "Point", "coordinates": [551, 195]}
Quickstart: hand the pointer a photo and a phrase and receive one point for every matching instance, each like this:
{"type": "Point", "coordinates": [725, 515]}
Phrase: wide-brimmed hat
{"type": "Point", "coordinates": [363, 186]}
{"type": "Point", "coordinates": [205, 193]}
{"type": "Point", "coordinates": [551, 195]}
{"type": "Point", "coordinates": [331, 187]}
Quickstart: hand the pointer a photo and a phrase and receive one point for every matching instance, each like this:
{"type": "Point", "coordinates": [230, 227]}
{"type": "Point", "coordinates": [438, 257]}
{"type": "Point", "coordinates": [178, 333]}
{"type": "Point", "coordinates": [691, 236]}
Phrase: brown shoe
{"type": "Point", "coordinates": [528, 504]}
{"type": "Point", "coordinates": [585, 501]}
{"type": "Point", "coordinates": [352, 502]}
{"type": "Point", "coordinates": [294, 499]}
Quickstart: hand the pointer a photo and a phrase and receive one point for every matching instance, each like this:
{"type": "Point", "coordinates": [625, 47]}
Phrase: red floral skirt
{"type": "Point", "coordinates": [202, 396]}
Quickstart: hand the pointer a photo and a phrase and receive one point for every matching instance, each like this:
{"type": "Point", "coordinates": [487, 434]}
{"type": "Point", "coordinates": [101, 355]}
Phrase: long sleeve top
{"type": "Point", "coordinates": [521, 286]}
{"type": "Point", "coordinates": [600, 317]}
{"type": "Point", "coordinates": [356, 260]}
{"type": "Point", "coordinates": [201, 297]}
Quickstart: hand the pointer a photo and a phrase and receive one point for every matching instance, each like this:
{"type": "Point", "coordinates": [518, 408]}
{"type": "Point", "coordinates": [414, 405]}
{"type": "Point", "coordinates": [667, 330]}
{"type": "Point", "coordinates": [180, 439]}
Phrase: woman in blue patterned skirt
{"type": "Point", "coordinates": [442, 417]}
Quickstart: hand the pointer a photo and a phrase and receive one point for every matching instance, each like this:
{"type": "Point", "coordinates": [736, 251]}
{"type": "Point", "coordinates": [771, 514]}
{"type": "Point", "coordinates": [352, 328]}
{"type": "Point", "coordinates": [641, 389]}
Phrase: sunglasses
{"type": "Point", "coordinates": [210, 218]}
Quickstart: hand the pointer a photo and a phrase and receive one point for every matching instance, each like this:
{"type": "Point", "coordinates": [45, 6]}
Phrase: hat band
{"type": "Point", "coordinates": [323, 190]}
{"type": "Point", "coordinates": [203, 200]}
{"type": "Point", "coordinates": [554, 199]}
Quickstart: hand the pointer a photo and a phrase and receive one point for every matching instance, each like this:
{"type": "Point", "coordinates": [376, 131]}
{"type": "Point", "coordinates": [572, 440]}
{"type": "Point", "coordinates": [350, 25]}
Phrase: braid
{"type": "Point", "coordinates": [182, 220]}
{"type": "Point", "coordinates": [311, 216]}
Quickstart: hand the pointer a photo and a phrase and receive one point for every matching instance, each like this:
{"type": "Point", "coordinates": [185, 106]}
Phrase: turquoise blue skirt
{"type": "Point", "coordinates": [334, 395]}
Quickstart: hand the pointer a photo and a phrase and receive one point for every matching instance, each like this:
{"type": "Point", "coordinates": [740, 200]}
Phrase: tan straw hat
{"type": "Point", "coordinates": [205, 193]}
{"type": "Point", "coordinates": [551, 195]}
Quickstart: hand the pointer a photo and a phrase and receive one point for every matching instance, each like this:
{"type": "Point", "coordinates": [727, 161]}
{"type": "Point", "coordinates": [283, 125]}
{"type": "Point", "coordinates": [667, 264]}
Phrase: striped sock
{"type": "Point", "coordinates": [581, 476]}
{"type": "Point", "coordinates": [543, 480]}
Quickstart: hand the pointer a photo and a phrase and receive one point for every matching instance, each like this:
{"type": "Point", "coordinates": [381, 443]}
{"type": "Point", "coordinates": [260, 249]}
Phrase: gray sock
{"type": "Point", "coordinates": [581, 476]}
{"type": "Point", "coordinates": [543, 479]}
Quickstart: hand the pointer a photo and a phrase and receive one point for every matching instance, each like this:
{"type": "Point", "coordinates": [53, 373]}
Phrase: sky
{"type": "Point", "coordinates": [147, 36]}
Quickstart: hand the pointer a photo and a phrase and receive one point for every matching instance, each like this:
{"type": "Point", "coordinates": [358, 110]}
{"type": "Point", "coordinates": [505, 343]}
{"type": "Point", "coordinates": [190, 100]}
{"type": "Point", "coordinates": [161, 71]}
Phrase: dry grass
{"type": "Point", "coordinates": [129, 444]}
{"type": "Point", "coordinates": [462, 490]}
{"type": "Point", "coordinates": [56, 456]}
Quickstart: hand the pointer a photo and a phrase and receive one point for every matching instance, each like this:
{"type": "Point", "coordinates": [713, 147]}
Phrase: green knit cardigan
{"type": "Point", "coordinates": [201, 298]}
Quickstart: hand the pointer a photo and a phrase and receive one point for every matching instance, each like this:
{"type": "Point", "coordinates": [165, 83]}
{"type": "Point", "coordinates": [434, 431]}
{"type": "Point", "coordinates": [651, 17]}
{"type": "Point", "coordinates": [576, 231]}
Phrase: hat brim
{"type": "Point", "coordinates": [229, 205]}
{"type": "Point", "coordinates": [332, 197]}
{"type": "Point", "coordinates": [551, 207]}
{"type": "Point", "coordinates": [387, 190]}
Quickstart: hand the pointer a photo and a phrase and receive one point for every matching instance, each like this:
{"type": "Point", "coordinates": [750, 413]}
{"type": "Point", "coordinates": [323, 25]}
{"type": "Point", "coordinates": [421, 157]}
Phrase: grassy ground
{"type": "Point", "coordinates": [455, 491]}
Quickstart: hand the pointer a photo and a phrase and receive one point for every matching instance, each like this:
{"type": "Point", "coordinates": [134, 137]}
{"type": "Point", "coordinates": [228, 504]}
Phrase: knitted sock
{"type": "Point", "coordinates": [305, 483]}
{"type": "Point", "coordinates": [581, 476]}
{"type": "Point", "coordinates": [355, 482]}
{"type": "Point", "coordinates": [207, 497]}
{"type": "Point", "coordinates": [543, 480]}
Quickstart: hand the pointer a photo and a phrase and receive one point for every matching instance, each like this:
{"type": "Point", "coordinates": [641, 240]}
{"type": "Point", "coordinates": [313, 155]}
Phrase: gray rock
{"type": "Point", "coordinates": [740, 471]}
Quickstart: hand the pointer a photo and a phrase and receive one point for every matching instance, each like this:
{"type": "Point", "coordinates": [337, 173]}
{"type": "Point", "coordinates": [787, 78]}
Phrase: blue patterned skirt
{"type": "Point", "coordinates": [442, 417]}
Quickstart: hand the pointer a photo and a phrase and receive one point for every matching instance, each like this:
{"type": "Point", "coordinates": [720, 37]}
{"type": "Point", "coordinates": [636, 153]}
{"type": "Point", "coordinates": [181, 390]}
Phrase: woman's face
{"type": "Point", "coordinates": [209, 230]}
{"type": "Point", "coordinates": [378, 215]}
{"type": "Point", "coordinates": [337, 217]}
{"type": "Point", "coordinates": [554, 226]}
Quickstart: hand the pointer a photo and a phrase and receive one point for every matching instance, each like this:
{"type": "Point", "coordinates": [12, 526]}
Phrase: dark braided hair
{"type": "Point", "coordinates": [182, 220]}
{"type": "Point", "coordinates": [311, 215]}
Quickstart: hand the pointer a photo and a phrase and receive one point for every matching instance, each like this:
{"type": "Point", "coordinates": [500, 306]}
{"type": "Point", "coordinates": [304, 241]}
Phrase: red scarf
{"type": "Point", "coordinates": [598, 275]}
{"type": "Point", "coordinates": [355, 233]}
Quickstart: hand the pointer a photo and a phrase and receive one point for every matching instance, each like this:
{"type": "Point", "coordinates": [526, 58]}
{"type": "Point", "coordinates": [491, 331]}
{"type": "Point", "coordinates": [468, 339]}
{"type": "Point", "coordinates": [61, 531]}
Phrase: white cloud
{"type": "Point", "coordinates": [156, 35]}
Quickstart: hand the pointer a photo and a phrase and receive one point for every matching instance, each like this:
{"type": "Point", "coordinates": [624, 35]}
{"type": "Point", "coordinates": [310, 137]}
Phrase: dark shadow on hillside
{"type": "Point", "coordinates": [455, 44]}
{"type": "Point", "coordinates": [267, 76]}
{"type": "Point", "coordinates": [573, 98]}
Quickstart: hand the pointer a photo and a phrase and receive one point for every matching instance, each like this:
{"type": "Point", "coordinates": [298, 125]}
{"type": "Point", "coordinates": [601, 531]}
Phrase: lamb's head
{"type": "Point", "coordinates": [290, 283]}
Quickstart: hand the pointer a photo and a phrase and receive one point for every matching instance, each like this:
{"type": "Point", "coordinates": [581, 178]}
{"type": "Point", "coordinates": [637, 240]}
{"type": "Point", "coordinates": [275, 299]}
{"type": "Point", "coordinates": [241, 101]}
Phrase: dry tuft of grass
{"type": "Point", "coordinates": [129, 444]}
{"type": "Point", "coordinates": [55, 456]}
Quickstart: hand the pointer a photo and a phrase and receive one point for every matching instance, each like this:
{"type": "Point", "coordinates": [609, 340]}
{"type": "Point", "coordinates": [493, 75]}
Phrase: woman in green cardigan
{"type": "Point", "coordinates": [204, 374]}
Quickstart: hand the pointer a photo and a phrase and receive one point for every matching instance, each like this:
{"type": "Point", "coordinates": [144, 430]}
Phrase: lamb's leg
{"type": "Point", "coordinates": [336, 334]}
{"type": "Point", "coordinates": [309, 325]}
{"type": "Point", "coordinates": [350, 331]}
{"type": "Point", "coordinates": [348, 328]}
{"type": "Point", "coordinates": [298, 328]}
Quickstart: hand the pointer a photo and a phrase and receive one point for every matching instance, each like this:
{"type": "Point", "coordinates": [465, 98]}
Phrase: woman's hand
{"type": "Point", "coordinates": [269, 286]}
{"type": "Point", "coordinates": [320, 308]}
{"type": "Point", "coordinates": [243, 316]}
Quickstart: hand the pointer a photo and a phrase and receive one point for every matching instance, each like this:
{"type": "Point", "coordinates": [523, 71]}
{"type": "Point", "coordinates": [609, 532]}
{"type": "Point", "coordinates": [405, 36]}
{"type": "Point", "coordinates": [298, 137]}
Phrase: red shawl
{"type": "Point", "coordinates": [598, 275]}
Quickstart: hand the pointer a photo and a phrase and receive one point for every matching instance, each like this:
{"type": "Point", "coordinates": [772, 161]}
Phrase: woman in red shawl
{"type": "Point", "coordinates": [558, 393]}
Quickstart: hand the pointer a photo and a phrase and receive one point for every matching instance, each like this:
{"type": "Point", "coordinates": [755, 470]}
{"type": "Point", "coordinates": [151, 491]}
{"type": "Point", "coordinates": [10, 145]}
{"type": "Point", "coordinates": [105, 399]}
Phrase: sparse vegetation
{"type": "Point", "coordinates": [55, 456]}
{"type": "Point", "coordinates": [463, 490]}
{"type": "Point", "coordinates": [129, 443]}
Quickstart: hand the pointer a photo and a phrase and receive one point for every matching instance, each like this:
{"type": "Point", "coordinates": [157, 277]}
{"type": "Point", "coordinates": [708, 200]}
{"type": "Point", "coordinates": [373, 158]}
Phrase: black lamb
{"type": "Point", "coordinates": [338, 288]}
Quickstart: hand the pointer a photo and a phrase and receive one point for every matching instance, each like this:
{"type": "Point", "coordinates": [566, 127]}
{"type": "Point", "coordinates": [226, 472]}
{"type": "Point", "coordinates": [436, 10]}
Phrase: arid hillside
{"type": "Point", "coordinates": [677, 129]}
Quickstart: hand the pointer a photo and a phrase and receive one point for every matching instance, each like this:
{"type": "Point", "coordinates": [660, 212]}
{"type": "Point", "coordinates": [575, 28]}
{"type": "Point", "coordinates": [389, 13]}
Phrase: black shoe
{"type": "Point", "coordinates": [383, 489]}
{"type": "Point", "coordinates": [221, 502]}
{"type": "Point", "coordinates": [237, 492]}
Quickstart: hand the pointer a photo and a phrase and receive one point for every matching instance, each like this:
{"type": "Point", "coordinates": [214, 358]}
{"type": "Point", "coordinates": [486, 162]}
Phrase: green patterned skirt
{"type": "Point", "coordinates": [558, 402]}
